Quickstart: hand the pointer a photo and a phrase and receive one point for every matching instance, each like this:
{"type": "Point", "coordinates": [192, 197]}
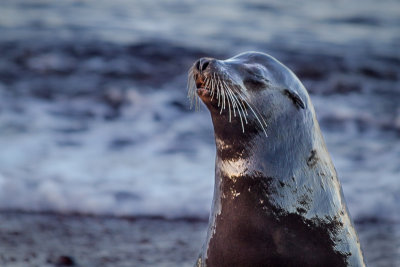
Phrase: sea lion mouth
{"type": "Point", "coordinates": [204, 89]}
{"type": "Point", "coordinates": [203, 92]}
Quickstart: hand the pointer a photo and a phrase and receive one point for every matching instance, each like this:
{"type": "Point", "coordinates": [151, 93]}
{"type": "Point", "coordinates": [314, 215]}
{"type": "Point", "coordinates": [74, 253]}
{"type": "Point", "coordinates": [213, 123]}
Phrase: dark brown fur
{"type": "Point", "coordinates": [264, 236]}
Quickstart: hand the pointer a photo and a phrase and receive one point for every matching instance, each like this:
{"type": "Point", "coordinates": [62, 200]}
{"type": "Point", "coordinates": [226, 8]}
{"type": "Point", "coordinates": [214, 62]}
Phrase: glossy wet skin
{"type": "Point", "coordinates": [277, 200]}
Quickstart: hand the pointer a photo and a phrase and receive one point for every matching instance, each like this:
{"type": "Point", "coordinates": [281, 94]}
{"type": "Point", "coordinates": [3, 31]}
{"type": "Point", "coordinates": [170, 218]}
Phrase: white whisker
{"type": "Point", "coordinates": [222, 88]}
{"type": "Point", "coordinates": [223, 93]}
{"type": "Point", "coordinates": [240, 105]}
{"type": "Point", "coordinates": [229, 98]}
{"type": "Point", "coordinates": [238, 110]}
{"type": "Point", "coordinates": [234, 105]}
{"type": "Point", "coordinates": [213, 89]}
{"type": "Point", "coordinates": [263, 124]}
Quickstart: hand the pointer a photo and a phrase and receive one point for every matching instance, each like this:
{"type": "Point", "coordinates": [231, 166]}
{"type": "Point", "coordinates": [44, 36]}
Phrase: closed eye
{"type": "Point", "coordinates": [255, 78]}
{"type": "Point", "coordinates": [254, 83]}
{"type": "Point", "coordinates": [254, 70]}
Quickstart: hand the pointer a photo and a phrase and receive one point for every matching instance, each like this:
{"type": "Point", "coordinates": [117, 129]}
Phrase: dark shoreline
{"type": "Point", "coordinates": [132, 218]}
{"type": "Point", "coordinates": [38, 239]}
{"type": "Point", "coordinates": [50, 239]}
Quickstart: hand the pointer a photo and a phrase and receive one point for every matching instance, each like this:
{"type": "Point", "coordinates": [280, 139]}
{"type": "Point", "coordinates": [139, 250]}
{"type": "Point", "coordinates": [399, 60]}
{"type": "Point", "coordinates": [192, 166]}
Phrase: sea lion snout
{"type": "Point", "coordinates": [202, 68]}
{"type": "Point", "coordinates": [203, 63]}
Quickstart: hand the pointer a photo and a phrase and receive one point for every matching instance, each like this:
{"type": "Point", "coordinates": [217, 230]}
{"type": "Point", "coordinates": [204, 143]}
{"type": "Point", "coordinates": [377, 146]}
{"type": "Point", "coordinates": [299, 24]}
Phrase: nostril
{"type": "Point", "coordinates": [204, 65]}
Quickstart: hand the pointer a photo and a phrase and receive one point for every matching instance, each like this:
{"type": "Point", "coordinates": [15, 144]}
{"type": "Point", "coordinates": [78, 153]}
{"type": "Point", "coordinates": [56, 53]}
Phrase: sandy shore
{"type": "Point", "coordinates": [51, 240]}
{"type": "Point", "coordinates": [61, 240]}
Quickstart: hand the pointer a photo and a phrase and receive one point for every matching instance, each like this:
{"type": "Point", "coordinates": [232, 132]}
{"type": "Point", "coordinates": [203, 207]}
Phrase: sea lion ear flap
{"type": "Point", "coordinates": [296, 99]}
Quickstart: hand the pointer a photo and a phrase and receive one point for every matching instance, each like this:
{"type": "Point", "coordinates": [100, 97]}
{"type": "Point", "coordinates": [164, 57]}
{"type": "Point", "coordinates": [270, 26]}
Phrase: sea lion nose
{"type": "Point", "coordinates": [203, 63]}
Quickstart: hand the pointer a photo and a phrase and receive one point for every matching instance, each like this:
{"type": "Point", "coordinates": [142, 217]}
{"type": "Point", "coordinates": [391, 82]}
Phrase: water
{"type": "Point", "coordinates": [94, 116]}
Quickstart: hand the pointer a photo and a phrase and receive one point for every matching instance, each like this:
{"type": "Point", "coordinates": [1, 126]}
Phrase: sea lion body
{"type": "Point", "coordinates": [277, 200]}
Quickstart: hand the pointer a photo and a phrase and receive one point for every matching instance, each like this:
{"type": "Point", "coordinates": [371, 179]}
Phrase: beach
{"type": "Point", "coordinates": [77, 240]}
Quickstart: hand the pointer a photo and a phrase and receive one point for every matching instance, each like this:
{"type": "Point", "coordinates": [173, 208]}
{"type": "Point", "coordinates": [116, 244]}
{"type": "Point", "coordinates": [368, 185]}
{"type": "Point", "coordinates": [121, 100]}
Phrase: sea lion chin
{"type": "Point", "coordinates": [277, 200]}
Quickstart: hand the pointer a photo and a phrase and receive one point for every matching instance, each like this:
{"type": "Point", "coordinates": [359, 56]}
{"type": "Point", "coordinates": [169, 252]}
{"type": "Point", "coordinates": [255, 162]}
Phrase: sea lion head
{"type": "Point", "coordinates": [248, 94]}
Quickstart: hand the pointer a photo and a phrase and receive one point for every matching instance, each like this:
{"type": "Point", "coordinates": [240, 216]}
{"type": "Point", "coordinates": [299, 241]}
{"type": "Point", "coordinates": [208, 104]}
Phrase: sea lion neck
{"type": "Point", "coordinates": [276, 146]}
{"type": "Point", "coordinates": [231, 143]}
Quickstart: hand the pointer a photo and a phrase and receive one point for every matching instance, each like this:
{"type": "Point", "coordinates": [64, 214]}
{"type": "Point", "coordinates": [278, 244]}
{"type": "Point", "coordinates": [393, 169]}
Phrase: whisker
{"type": "Point", "coordinates": [213, 89]}
{"type": "Point", "coordinates": [245, 109]}
{"type": "Point", "coordinates": [190, 87]}
{"type": "Point", "coordinates": [193, 97]}
{"type": "Point", "coordinates": [263, 124]}
{"type": "Point", "coordinates": [240, 105]}
{"type": "Point", "coordinates": [223, 94]}
{"type": "Point", "coordinates": [220, 87]}
{"type": "Point", "coordinates": [207, 84]}
{"type": "Point", "coordinates": [212, 93]}
{"type": "Point", "coordinates": [229, 98]}
{"type": "Point", "coordinates": [238, 109]}
{"type": "Point", "coordinates": [218, 92]}
{"type": "Point", "coordinates": [197, 107]}
{"type": "Point", "coordinates": [234, 104]}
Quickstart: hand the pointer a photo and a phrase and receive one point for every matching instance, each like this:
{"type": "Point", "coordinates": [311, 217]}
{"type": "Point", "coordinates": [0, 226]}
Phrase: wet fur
{"type": "Point", "coordinates": [277, 200]}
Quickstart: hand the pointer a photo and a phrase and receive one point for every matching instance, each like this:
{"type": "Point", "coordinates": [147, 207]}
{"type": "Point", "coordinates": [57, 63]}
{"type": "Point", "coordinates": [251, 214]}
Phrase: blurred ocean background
{"type": "Point", "coordinates": [94, 117]}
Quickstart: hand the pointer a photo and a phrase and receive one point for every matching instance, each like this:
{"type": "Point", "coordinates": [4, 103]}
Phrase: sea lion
{"type": "Point", "coordinates": [277, 200]}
